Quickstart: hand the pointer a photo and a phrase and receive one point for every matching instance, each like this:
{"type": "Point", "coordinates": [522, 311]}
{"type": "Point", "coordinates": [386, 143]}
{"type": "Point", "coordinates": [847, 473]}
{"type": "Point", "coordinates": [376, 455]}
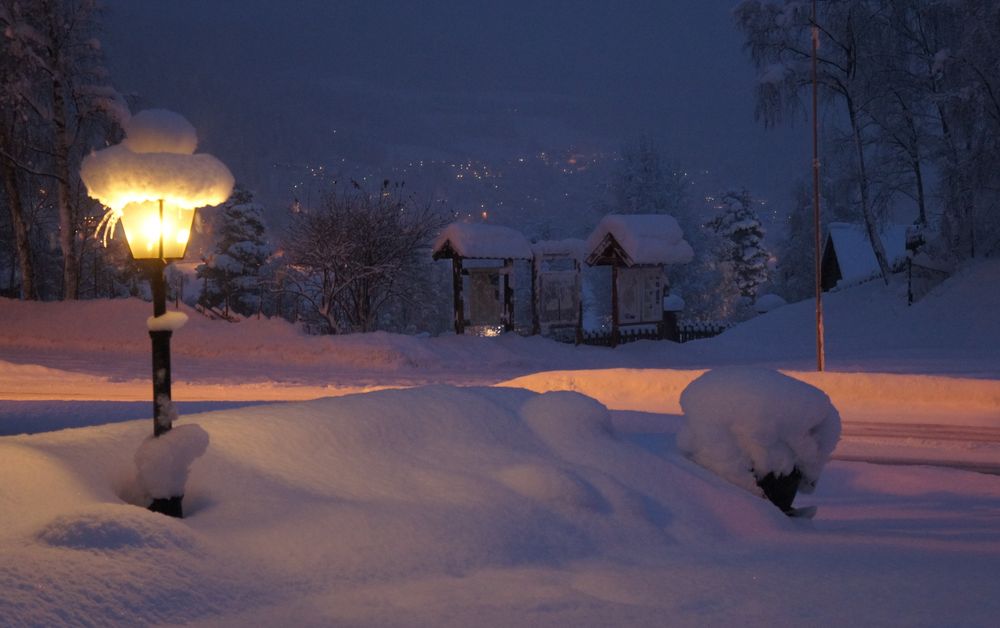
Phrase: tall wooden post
{"type": "Point", "coordinates": [820, 349]}
{"type": "Point", "coordinates": [456, 282]}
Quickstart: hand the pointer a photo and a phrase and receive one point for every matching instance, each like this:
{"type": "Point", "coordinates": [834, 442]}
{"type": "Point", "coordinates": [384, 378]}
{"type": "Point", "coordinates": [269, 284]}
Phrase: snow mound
{"type": "Point", "coordinates": [164, 462]}
{"type": "Point", "coordinates": [117, 177]}
{"type": "Point", "coordinates": [743, 423]}
{"type": "Point", "coordinates": [767, 302]}
{"type": "Point", "coordinates": [551, 486]}
{"type": "Point", "coordinates": [160, 131]}
{"type": "Point", "coordinates": [115, 527]}
{"type": "Point", "coordinates": [154, 162]}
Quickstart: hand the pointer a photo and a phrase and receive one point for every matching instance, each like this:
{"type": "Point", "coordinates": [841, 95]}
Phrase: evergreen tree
{"type": "Point", "coordinates": [231, 275]}
{"type": "Point", "coordinates": [741, 248]}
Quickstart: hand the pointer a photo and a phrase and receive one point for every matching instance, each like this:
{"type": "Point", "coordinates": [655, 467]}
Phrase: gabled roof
{"type": "Point", "coordinates": [480, 241]}
{"type": "Point", "coordinates": [638, 239]}
{"type": "Point", "coordinates": [854, 250]}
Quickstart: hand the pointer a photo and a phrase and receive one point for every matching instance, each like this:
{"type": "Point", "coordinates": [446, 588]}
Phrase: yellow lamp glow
{"type": "Point", "coordinates": [154, 224]}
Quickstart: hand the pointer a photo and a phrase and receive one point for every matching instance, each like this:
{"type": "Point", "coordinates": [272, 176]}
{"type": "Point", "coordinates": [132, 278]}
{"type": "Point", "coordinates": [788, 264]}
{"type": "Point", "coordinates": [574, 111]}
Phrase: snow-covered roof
{"type": "Point", "coordinates": [644, 238]}
{"type": "Point", "coordinates": [481, 241]}
{"type": "Point", "coordinates": [573, 248]}
{"type": "Point", "coordinates": [854, 251]}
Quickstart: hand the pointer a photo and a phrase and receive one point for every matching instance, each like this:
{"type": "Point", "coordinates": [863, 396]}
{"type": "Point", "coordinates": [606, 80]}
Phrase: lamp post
{"type": "Point", "coordinates": [152, 183]}
{"type": "Point", "coordinates": [156, 237]}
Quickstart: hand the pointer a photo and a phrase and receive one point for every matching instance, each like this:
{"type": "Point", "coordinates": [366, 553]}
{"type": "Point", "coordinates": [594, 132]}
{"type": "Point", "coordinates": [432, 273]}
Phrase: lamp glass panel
{"type": "Point", "coordinates": [143, 228]}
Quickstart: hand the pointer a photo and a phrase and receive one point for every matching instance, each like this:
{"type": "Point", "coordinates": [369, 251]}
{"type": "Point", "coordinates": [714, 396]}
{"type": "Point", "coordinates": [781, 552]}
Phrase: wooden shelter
{"type": "Point", "coordinates": [637, 247]}
{"type": "Point", "coordinates": [461, 241]}
{"type": "Point", "coordinates": [555, 288]}
{"type": "Point", "coordinates": [848, 255]}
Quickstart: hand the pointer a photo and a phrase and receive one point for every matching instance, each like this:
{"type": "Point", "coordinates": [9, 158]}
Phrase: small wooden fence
{"type": "Point", "coordinates": [692, 330]}
{"type": "Point", "coordinates": [696, 330]}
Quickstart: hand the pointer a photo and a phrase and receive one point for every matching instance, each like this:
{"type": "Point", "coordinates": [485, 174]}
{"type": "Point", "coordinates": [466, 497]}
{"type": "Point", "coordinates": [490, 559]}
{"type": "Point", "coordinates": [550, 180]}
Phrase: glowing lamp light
{"type": "Point", "coordinates": [157, 230]}
{"type": "Point", "coordinates": [153, 181]}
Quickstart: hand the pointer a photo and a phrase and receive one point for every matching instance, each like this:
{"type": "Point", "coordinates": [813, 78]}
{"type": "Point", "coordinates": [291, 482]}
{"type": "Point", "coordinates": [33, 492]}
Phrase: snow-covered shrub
{"type": "Point", "coordinates": [767, 302]}
{"type": "Point", "coordinates": [163, 462]}
{"type": "Point", "coordinates": [743, 423]}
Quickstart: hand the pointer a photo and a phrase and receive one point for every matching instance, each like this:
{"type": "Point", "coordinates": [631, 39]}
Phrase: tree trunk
{"type": "Point", "coordinates": [866, 210]}
{"type": "Point", "coordinates": [21, 242]}
{"type": "Point", "coordinates": [67, 224]}
{"type": "Point", "coordinates": [921, 198]}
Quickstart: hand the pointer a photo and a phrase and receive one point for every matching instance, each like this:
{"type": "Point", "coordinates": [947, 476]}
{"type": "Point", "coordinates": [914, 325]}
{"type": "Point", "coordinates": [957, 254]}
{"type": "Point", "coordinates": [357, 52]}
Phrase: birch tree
{"type": "Point", "coordinates": [778, 36]}
{"type": "Point", "coordinates": [57, 91]}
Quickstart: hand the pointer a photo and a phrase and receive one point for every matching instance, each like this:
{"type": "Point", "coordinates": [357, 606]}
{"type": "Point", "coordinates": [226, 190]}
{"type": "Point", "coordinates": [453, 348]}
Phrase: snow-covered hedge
{"type": "Point", "coordinates": [743, 423]}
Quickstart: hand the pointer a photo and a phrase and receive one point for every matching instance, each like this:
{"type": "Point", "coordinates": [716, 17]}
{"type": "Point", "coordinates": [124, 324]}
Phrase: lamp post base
{"type": "Point", "coordinates": [170, 506]}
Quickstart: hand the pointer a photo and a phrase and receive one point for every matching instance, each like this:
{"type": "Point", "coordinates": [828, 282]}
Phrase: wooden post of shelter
{"type": "Point", "coordinates": [536, 322]}
{"type": "Point", "coordinates": [507, 279]}
{"type": "Point", "coordinates": [615, 331]}
{"type": "Point", "coordinates": [459, 299]}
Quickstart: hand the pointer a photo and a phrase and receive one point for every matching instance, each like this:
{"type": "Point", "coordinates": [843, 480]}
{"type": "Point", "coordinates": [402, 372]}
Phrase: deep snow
{"type": "Point", "coordinates": [439, 505]}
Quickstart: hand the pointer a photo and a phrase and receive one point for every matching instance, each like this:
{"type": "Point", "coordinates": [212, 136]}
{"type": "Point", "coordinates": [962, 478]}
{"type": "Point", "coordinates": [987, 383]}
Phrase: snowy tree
{"type": "Point", "coordinates": [54, 95]}
{"type": "Point", "coordinates": [351, 259]}
{"type": "Point", "coordinates": [231, 274]}
{"type": "Point", "coordinates": [645, 182]}
{"type": "Point", "coordinates": [917, 83]}
{"type": "Point", "coordinates": [741, 248]}
{"type": "Point", "coordinates": [779, 37]}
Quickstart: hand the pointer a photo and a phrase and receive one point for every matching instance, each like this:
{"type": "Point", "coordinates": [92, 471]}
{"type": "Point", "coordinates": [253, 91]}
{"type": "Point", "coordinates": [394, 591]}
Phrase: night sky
{"type": "Point", "coordinates": [314, 82]}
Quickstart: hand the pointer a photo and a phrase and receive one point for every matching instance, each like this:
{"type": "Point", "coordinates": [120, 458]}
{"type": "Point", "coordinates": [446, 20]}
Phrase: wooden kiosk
{"type": "Point", "coordinates": [637, 247]}
{"type": "Point", "coordinates": [492, 250]}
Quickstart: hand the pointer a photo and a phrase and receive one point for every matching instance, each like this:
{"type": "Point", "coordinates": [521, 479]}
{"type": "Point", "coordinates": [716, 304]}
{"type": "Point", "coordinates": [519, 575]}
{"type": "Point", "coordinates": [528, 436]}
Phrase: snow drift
{"type": "Point", "coordinates": [745, 423]}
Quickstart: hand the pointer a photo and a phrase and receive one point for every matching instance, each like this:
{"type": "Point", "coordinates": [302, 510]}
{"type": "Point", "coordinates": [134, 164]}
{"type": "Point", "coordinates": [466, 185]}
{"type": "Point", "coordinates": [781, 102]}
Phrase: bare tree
{"type": "Point", "coordinates": [347, 260]}
{"type": "Point", "coordinates": [55, 92]}
{"type": "Point", "coordinates": [778, 36]}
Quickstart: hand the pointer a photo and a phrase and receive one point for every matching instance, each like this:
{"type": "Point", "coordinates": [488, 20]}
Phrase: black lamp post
{"type": "Point", "coordinates": [151, 183]}
{"type": "Point", "coordinates": [157, 237]}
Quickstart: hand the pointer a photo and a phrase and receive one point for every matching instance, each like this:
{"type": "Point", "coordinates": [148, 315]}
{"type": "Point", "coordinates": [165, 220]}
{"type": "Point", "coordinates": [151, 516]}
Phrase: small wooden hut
{"type": "Point", "coordinates": [848, 255]}
{"type": "Point", "coordinates": [555, 288]}
{"type": "Point", "coordinates": [480, 242]}
{"type": "Point", "coordinates": [637, 247]}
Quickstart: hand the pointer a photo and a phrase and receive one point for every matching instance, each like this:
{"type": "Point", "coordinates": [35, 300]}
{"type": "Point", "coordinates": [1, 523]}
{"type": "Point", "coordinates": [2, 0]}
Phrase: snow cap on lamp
{"type": "Point", "coordinates": [155, 174]}
{"type": "Point", "coordinates": [156, 161]}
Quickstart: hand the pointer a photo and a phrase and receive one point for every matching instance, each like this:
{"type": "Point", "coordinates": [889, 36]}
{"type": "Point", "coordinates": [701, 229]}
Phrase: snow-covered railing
{"type": "Point", "coordinates": [697, 330]}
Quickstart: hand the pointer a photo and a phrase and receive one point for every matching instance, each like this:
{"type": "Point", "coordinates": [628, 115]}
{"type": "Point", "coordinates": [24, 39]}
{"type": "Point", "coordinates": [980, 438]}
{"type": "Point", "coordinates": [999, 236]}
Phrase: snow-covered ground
{"type": "Point", "coordinates": [375, 480]}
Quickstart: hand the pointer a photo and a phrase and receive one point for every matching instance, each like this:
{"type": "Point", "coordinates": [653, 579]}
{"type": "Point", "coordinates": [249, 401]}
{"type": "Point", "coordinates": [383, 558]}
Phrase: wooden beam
{"type": "Point", "coordinates": [456, 282]}
{"type": "Point", "coordinates": [614, 306]}
{"type": "Point", "coordinates": [507, 276]}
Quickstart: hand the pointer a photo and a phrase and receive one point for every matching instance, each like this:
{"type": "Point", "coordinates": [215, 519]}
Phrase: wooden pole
{"type": "Point", "coordinates": [536, 324]}
{"type": "Point", "coordinates": [820, 350]}
{"type": "Point", "coordinates": [614, 305]}
{"type": "Point", "coordinates": [508, 295]}
{"type": "Point", "coordinates": [456, 282]}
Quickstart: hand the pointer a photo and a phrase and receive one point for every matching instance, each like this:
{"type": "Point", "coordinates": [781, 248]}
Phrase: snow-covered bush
{"type": "Point", "coordinates": [163, 462]}
{"type": "Point", "coordinates": [744, 423]}
{"type": "Point", "coordinates": [767, 302]}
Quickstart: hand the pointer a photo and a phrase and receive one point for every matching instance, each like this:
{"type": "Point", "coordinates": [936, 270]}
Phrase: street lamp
{"type": "Point", "coordinates": [152, 183]}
